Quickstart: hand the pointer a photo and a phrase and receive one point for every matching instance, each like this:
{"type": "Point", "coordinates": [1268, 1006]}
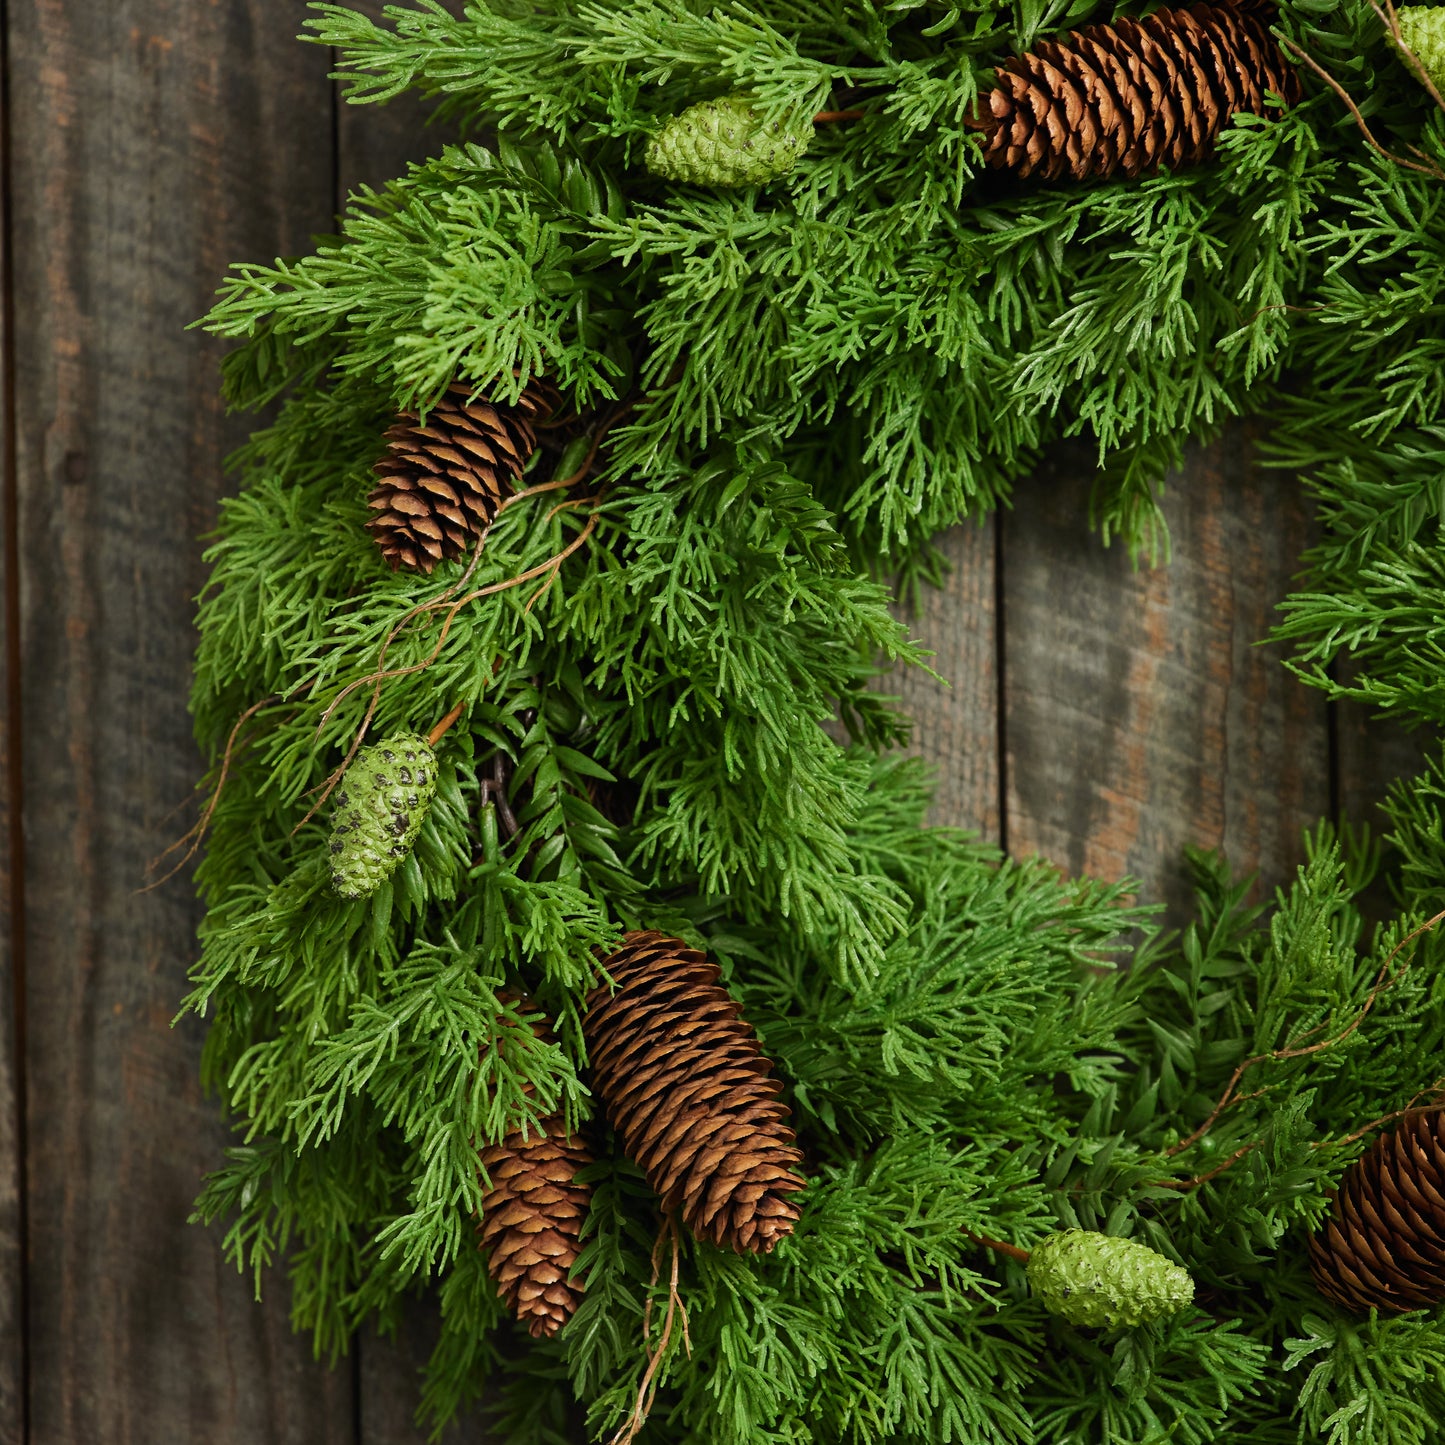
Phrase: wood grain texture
{"type": "Point", "coordinates": [956, 721]}
{"type": "Point", "coordinates": [1139, 713]}
{"type": "Point", "coordinates": [12, 1236]}
{"type": "Point", "coordinates": [154, 141]}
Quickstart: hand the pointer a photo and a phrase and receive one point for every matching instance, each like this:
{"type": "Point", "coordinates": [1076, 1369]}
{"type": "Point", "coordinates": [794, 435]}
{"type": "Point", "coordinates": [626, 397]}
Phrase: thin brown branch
{"type": "Point", "coordinates": [1391, 21]}
{"type": "Point", "coordinates": [1383, 979]}
{"type": "Point", "coordinates": [456, 585]}
{"type": "Point", "coordinates": [1198, 1179]}
{"type": "Point", "coordinates": [828, 117]}
{"type": "Point", "coordinates": [1413, 1107]}
{"type": "Point", "coordinates": [196, 834]}
{"type": "Point", "coordinates": [439, 731]}
{"type": "Point", "coordinates": [647, 1388]}
{"type": "Point", "coordinates": [1427, 168]}
{"type": "Point", "coordinates": [999, 1246]}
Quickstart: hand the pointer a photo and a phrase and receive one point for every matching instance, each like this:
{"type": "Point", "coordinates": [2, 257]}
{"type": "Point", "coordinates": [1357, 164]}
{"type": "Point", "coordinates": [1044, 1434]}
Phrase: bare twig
{"type": "Point", "coordinates": [827, 117]}
{"type": "Point", "coordinates": [494, 791]}
{"type": "Point", "coordinates": [1391, 21]}
{"type": "Point", "coordinates": [1424, 166]}
{"type": "Point", "coordinates": [647, 1389]}
{"type": "Point", "coordinates": [1294, 1050]}
{"type": "Point", "coordinates": [196, 834]}
{"type": "Point", "coordinates": [1413, 1107]}
{"type": "Point", "coordinates": [439, 731]}
{"type": "Point", "coordinates": [999, 1246]}
{"type": "Point", "coordinates": [1214, 1173]}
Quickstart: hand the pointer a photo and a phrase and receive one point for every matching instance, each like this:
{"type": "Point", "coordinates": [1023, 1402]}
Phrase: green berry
{"type": "Point", "coordinates": [1422, 28]}
{"type": "Point", "coordinates": [380, 807]}
{"type": "Point", "coordinates": [1094, 1279]}
{"type": "Point", "coordinates": [724, 142]}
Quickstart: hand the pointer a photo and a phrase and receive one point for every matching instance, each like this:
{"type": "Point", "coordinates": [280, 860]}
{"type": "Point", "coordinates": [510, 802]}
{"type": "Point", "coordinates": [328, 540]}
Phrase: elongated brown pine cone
{"type": "Point", "coordinates": [441, 483]}
{"type": "Point", "coordinates": [1134, 95]}
{"type": "Point", "coordinates": [696, 1103]}
{"type": "Point", "coordinates": [1383, 1244]}
{"type": "Point", "coordinates": [532, 1215]}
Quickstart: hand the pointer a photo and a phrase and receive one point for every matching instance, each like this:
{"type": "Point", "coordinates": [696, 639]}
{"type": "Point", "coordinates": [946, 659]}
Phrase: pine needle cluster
{"type": "Point", "coordinates": [783, 392]}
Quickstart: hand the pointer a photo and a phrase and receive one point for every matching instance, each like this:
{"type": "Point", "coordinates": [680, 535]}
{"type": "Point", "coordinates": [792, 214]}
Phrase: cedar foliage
{"type": "Point", "coordinates": [821, 374]}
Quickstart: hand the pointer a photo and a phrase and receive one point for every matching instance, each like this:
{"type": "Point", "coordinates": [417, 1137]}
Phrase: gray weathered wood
{"type": "Point", "coordinates": [154, 141]}
{"type": "Point", "coordinates": [956, 720]}
{"type": "Point", "coordinates": [1140, 715]}
{"type": "Point", "coordinates": [12, 1243]}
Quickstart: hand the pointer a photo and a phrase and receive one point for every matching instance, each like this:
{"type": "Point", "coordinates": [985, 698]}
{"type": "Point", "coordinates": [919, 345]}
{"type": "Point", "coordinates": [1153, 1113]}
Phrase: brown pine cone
{"type": "Point", "coordinates": [696, 1103]}
{"type": "Point", "coordinates": [532, 1216]}
{"type": "Point", "coordinates": [1134, 95]}
{"type": "Point", "coordinates": [441, 483]}
{"type": "Point", "coordinates": [1383, 1245]}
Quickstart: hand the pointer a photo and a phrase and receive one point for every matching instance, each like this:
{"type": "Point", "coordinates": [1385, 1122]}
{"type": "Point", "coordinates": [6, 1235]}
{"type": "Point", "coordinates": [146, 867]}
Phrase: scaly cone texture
{"type": "Point", "coordinates": [380, 807]}
{"type": "Point", "coordinates": [1132, 96]}
{"type": "Point", "coordinates": [532, 1216]}
{"type": "Point", "coordinates": [1422, 28]}
{"type": "Point", "coordinates": [696, 1103]}
{"type": "Point", "coordinates": [1096, 1280]}
{"type": "Point", "coordinates": [1383, 1245]}
{"type": "Point", "coordinates": [442, 480]}
{"type": "Point", "coordinates": [724, 142]}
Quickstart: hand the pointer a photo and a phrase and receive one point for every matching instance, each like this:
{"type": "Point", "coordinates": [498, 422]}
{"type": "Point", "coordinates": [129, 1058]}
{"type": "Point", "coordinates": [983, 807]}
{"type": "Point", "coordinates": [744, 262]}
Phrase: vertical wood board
{"type": "Point", "coordinates": [153, 142]}
{"type": "Point", "coordinates": [12, 1237]}
{"type": "Point", "coordinates": [955, 720]}
{"type": "Point", "coordinates": [1140, 712]}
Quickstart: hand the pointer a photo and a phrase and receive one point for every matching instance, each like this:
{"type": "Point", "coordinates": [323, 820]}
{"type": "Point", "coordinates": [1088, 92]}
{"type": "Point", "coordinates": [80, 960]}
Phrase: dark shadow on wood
{"type": "Point", "coordinates": [1142, 714]}
{"type": "Point", "coordinates": [14, 1395]}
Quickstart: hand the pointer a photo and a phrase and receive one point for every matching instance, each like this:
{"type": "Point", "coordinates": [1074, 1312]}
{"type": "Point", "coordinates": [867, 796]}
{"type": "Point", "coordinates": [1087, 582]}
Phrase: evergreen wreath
{"type": "Point", "coordinates": [604, 439]}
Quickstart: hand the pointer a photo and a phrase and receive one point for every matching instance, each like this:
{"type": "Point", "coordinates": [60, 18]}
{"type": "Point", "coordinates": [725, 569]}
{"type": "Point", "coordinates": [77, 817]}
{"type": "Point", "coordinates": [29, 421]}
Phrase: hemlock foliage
{"type": "Point", "coordinates": [818, 375]}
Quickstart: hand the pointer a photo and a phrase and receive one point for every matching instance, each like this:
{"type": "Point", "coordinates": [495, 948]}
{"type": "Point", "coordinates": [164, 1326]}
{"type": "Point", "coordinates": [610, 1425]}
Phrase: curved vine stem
{"type": "Point", "coordinates": [1296, 1050]}
{"type": "Point", "coordinates": [1422, 165]}
{"type": "Point", "coordinates": [647, 1388]}
{"type": "Point", "coordinates": [197, 832]}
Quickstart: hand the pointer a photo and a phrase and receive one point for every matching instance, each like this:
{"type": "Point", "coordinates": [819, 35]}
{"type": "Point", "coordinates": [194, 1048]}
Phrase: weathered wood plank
{"type": "Point", "coordinates": [12, 1240]}
{"type": "Point", "coordinates": [956, 721]}
{"type": "Point", "coordinates": [1139, 713]}
{"type": "Point", "coordinates": [154, 141]}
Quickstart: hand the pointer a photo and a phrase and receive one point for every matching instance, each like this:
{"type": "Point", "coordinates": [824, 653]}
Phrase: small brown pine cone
{"type": "Point", "coordinates": [532, 1215]}
{"type": "Point", "coordinates": [440, 483]}
{"type": "Point", "coordinates": [689, 1091]}
{"type": "Point", "coordinates": [1383, 1245]}
{"type": "Point", "coordinates": [1134, 95]}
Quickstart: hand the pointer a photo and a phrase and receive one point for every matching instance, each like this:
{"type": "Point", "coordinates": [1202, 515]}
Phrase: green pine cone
{"type": "Point", "coordinates": [1422, 28]}
{"type": "Point", "coordinates": [724, 142]}
{"type": "Point", "coordinates": [1093, 1279]}
{"type": "Point", "coordinates": [380, 807]}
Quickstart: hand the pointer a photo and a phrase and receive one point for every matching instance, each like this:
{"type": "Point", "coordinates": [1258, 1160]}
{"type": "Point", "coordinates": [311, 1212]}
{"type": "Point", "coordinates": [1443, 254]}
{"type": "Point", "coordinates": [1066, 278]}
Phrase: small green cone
{"type": "Point", "coordinates": [380, 807]}
{"type": "Point", "coordinates": [1094, 1279]}
{"type": "Point", "coordinates": [1422, 28]}
{"type": "Point", "coordinates": [724, 142]}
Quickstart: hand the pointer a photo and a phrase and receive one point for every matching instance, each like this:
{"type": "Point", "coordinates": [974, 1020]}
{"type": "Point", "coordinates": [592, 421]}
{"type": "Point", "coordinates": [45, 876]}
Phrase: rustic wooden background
{"type": "Point", "coordinates": [1099, 715]}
